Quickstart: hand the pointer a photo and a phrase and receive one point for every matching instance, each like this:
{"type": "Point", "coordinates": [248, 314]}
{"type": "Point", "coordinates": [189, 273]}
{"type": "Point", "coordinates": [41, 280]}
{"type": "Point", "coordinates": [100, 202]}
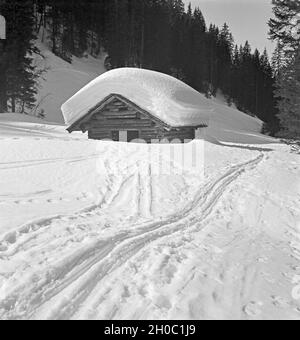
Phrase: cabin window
{"type": "Point", "coordinates": [115, 136]}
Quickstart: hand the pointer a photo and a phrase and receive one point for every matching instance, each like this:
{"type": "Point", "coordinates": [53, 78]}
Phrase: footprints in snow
{"type": "Point", "coordinates": [84, 197]}
{"type": "Point", "coordinates": [253, 309]}
{"type": "Point", "coordinates": [65, 139]}
{"type": "Point", "coordinates": [279, 301]}
{"type": "Point", "coordinates": [12, 237]}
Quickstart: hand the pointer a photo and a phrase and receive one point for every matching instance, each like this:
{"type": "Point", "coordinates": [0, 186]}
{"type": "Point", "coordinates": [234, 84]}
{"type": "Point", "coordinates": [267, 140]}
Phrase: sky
{"type": "Point", "coordinates": [247, 19]}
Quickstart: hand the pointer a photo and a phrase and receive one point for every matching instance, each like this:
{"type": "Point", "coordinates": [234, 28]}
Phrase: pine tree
{"type": "Point", "coordinates": [20, 75]}
{"type": "Point", "coordinates": [278, 59]}
{"type": "Point", "coordinates": [198, 70]}
{"type": "Point", "coordinates": [178, 53]}
{"type": "Point", "coordinates": [285, 30]}
{"type": "Point", "coordinates": [3, 68]}
{"type": "Point", "coordinates": [289, 94]}
{"type": "Point", "coordinates": [158, 33]}
{"type": "Point", "coordinates": [225, 55]}
{"type": "Point", "coordinates": [212, 58]}
{"type": "Point", "coordinates": [285, 27]}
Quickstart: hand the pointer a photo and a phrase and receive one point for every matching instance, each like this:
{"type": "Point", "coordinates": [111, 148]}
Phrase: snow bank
{"type": "Point", "coordinates": [163, 96]}
{"type": "Point", "coordinates": [18, 125]}
{"type": "Point", "coordinates": [22, 118]}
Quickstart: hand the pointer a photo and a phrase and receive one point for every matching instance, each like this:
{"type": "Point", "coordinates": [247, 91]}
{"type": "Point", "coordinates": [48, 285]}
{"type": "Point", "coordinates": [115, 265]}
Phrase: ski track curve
{"type": "Point", "coordinates": [99, 259]}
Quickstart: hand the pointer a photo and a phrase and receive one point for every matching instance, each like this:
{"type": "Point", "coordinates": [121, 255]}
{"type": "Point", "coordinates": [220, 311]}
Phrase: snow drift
{"type": "Point", "coordinates": [163, 96]}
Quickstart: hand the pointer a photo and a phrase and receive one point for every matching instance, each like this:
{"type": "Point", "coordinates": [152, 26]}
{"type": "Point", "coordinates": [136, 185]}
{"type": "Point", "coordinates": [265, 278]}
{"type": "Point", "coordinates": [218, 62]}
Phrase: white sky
{"type": "Point", "coordinates": [247, 19]}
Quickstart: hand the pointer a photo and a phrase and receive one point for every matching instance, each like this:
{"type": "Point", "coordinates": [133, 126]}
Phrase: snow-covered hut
{"type": "Point", "coordinates": [137, 104]}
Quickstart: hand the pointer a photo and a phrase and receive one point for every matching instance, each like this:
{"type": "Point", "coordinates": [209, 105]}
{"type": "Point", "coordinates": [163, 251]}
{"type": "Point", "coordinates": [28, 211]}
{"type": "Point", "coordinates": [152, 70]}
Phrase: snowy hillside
{"type": "Point", "coordinates": [62, 80]}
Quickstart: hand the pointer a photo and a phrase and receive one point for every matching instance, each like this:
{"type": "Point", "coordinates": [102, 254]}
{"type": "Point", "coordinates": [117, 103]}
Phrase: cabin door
{"type": "Point", "coordinates": [132, 135]}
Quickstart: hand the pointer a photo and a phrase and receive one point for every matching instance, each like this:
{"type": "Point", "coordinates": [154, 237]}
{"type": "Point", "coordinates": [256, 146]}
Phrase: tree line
{"type": "Point", "coordinates": [285, 30]}
{"type": "Point", "coordinates": [155, 34]}
{"type": "Point", "coordinates": [18, 76]}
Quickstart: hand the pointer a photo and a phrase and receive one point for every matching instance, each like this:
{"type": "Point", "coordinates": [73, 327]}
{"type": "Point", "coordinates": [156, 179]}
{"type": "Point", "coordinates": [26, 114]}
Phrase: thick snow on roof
{"type": "Point", "coordinates": [163, 96]}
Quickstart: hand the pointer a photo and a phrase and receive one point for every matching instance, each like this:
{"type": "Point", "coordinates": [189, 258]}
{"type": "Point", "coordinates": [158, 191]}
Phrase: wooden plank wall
{"type": "Point", "coordinates": [118, 116]}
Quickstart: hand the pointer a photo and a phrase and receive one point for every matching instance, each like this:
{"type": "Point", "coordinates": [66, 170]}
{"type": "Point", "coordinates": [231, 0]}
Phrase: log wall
{"type": "Point", "coordinates": [117, 116]}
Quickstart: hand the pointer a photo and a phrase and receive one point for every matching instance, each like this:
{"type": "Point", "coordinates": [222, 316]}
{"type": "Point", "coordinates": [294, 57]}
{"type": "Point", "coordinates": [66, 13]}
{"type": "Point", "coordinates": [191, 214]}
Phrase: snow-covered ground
{"type": "Point", "coordinates": [89, 230]}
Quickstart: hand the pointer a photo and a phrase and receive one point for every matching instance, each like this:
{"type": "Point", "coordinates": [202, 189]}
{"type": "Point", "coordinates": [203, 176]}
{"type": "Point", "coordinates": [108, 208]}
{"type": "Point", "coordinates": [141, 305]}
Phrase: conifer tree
{"type": "Point", "coordinates": [285, 27]}
{"type": "Point", "coordinates": [285, 30]}
{"type": "Point", "coordinates": [289, 94]}
{"type": "Point", "coordinates": [225, 51]}
{"type": "Point", "coordinates": [20, 74]}
{"type": "Point", "coordinates": [278, 59]}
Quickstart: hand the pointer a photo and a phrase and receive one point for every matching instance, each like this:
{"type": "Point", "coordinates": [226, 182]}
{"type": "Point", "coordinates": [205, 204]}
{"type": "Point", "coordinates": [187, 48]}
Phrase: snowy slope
{"type": "Point", "coordinates": [62, 80]}
{"type": "Point", "coordinates": [89, 230]}
{"type": "Point", "coordinates": [231, 125]}
{"type": "Point", "coordinates": [163, 96]}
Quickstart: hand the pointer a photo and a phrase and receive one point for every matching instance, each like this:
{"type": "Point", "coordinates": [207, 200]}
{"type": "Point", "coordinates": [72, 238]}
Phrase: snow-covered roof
{"type": "Point", "coordinates": [163, 96]}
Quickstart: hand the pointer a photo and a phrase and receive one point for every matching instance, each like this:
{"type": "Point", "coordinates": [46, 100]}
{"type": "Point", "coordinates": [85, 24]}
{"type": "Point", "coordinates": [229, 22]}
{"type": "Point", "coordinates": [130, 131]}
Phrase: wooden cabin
{"type": "Point", "coordinates": [119, 119]}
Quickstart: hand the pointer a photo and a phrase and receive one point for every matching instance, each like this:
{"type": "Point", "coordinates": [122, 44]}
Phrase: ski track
{"type": "Point", "coordinates": [34, 163]}
{"type": "Point", "coordinates": [96, 260]}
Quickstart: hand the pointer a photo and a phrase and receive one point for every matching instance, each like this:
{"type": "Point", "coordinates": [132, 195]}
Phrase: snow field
{"type": "Point", "coordinates": [101, 236]}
